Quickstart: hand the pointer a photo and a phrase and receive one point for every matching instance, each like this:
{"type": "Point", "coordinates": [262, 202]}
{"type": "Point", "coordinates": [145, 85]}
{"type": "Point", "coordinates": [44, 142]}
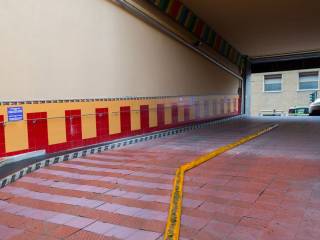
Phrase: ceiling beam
{"type": "Point", "coordinates": [286, 57]}
{"type": "Point", "coordinates": [306, 61]}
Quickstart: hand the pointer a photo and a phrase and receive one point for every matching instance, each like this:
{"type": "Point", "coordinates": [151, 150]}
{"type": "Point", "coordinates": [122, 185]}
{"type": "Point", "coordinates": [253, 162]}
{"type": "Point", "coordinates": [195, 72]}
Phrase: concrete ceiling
{"type": "Point", "coordinates": [263, 27]}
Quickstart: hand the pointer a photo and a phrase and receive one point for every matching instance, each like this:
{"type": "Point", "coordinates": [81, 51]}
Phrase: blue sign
{"type": "Point", "coordinates": [15, 114]}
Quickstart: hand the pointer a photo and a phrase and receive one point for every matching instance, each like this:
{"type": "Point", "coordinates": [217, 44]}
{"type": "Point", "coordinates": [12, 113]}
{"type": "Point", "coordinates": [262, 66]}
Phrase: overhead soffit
{"type": "Point", "coordinates": [262, 27]}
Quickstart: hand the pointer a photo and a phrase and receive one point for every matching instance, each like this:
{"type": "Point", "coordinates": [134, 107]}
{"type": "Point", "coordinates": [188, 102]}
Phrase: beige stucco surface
{"type": "Point", "coordinates": [290, 95]}
{"type": "Point", "coordinates": [53, 49]}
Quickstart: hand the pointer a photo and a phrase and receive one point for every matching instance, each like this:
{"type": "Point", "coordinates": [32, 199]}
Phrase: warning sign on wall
{"type": "Point", "coordinates": [15, 114]}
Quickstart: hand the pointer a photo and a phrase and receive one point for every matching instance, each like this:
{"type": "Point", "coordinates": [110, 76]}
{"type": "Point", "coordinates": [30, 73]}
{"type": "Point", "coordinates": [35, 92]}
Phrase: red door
{"type": "Point", "coordinates": [102, 123]}
{"type": "Point", "coordinates": [144, 117]}
{"type": "Point", "coordinates": [174, 113]}
{"type": "Point", "coordinates": [73, 127]}
{"type": "Point", "coordinates": [2, 139]}
{"type": "Point", "coordinates": [37, 130]}
{"type": "Point", "coordinates": [125, 119]}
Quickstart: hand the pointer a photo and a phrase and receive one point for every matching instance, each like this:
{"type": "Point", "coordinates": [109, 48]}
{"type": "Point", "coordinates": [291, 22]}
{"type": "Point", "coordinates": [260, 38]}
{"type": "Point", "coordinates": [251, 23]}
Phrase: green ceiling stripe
{"type": "Point", "coordinates": [163, 5]}
{"type": "Point", "coordinates": [183, 15]}
{"type": "Point", "coordinates": [212, 37]}
{"type": "Point", "coordinates": [196, 25]}
{"type": "Point", "coordinates": [192, 21]}
{"type": "Point", "coordinates": [230, 55]}
{"type": "Point", "coordinates": [217, 42]}
{"type": "Point", "coordinates": [227, 49]}
{"type": "Point", "coordinates": [205, 34]}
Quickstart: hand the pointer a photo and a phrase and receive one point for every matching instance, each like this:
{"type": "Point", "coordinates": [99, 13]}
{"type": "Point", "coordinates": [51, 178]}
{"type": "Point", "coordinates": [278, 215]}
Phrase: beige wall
{"type": "Point", "coordinates": [53, 49]}
{"type": "Point", "coordinates": [290, 96]}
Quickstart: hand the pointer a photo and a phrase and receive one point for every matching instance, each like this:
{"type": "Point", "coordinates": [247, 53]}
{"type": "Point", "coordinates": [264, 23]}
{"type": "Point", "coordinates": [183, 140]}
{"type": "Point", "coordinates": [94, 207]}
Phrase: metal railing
{"type": "Point", "coordinates": [113, 113]}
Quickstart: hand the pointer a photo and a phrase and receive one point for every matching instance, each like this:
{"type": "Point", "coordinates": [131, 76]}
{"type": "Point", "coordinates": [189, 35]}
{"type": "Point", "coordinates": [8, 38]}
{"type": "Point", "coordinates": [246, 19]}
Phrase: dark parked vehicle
{"type": "Point", "coordinates": [314, 109]}
{"type": "Point", "coordinates": [299, 111]}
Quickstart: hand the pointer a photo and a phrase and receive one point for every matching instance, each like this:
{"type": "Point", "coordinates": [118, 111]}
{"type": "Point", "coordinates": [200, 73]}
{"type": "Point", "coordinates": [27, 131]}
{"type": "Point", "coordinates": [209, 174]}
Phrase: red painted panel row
{"type": "Point", "coordinates": [2, 140]}
{"type": "Point", "coordinates": [38, 126]}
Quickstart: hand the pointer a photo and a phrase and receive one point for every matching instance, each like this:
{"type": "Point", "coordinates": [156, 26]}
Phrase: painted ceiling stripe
{"type": "Point", "coordinates": [175, 8]}
{"type": "Point", "coordinates": [185, 17]}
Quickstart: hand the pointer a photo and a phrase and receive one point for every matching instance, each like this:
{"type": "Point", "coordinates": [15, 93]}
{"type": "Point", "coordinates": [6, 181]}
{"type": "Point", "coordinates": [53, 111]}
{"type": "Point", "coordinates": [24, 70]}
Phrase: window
{"type": "Point", "coordinates": [273, 83]}
{"type": "Point", "coordinates": [302, 111]}
{"type": "Point", "coordinates": [308, 80]}
{"type": "Point", "coordinates": [299, 111]}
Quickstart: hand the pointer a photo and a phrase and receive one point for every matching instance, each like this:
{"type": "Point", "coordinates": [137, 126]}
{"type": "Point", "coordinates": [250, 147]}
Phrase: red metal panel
{"type": "Point", "coordinates": [174, 113]}
{"type": "Point", "coordinates": [160, 115]}
{"type": "Point", "coordinates": [175, 9]}
{"type": "Point", "coordinates": [144, 117]}
{"type": "Point", "coordinates": [102, 123]}
{"type": "Point", "coordinates": [186, 113]}
{"type": "Point", "coordinates": [125, 117]}
{"type": "Point", "coordinates": [2, 139]}
{"type": "Point", "coordinates": [73, 127]}
{"type": "Point", "coordinates": [37, 124]}
{"type": "Point", "coordinates": [199, 28]}
{"type": "Point", "coordinates": [217, 43]}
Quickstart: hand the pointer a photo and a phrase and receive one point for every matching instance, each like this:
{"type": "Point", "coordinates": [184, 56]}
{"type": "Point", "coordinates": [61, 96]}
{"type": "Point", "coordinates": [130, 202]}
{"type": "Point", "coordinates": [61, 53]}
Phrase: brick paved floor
{"type": "Point", "coordinates": [266, 189]}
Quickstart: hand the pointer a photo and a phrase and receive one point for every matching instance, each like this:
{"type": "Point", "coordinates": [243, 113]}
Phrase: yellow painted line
{"type": "Point", "coordinates": [174, 217]}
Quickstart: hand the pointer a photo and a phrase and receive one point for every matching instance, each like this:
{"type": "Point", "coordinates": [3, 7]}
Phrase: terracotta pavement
{"type": "Point", "coordinates": [266, 189]}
